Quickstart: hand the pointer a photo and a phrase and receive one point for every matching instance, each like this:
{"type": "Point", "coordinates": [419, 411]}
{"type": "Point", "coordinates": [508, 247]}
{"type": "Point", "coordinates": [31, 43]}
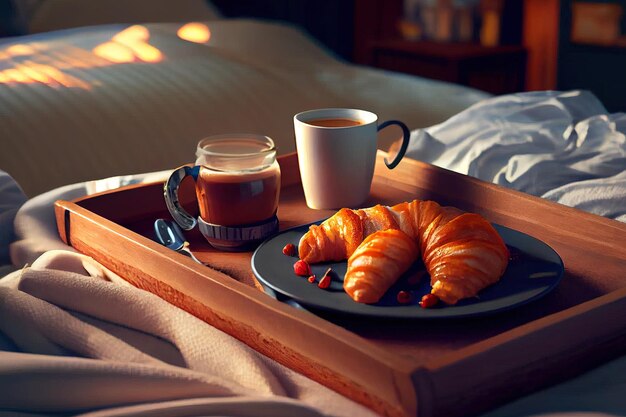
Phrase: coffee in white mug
{"type": "Point", "coordinates": [336, 155]}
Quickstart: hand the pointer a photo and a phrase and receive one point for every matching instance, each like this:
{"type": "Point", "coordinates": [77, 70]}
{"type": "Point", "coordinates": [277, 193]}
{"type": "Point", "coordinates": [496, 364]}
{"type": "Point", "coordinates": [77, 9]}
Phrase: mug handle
{"type": "Point", "coordinates": [170, 191]}
{"type": "Point", "coordinates": [405, 141]}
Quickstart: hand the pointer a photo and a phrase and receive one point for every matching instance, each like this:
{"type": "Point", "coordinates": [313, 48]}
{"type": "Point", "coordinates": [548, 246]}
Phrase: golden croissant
{"type": "Point", "coordinates": [462, 252]}
{"type": "Point", "coordinates": [377, 263]}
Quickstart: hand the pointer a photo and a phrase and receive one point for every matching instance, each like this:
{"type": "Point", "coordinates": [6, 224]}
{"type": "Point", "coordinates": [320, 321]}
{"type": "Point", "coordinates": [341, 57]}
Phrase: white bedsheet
{"type": "Point", "coordinates": [562, 146]}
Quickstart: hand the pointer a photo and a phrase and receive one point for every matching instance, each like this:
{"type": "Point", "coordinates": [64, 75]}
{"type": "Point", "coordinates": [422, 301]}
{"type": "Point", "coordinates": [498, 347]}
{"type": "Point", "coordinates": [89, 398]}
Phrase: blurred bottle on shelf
{"type": "Point", "coordinates": [491, 17]}
{"type": "Point", "coordinates": [439, 20]}
{"type": "Point", "coordinates": [465, 22]}
{"type": "Point", "coordinates": [444, 14]}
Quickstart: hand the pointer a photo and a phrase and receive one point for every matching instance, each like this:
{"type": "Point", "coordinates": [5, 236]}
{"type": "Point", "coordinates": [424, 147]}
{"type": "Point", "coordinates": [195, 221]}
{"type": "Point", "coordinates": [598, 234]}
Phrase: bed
{"type": "Point", "coordinates": [84, 110]}
{"type": "Point", "coordinates": [106, 109]}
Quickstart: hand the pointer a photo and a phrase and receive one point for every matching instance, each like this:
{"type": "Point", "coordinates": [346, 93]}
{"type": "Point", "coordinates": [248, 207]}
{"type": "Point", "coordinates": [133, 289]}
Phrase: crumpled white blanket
{"type": "Point", "coordinates": [562, 146]}
{"type": "Point", "coordinates": [68, 324]}
{"type": "Point", "coordinates": [75, 337]}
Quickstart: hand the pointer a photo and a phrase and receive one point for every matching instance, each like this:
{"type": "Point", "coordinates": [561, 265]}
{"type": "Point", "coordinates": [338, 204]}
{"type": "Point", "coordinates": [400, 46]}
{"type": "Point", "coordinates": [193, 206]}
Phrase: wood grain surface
{"type": "Point", "coordinates": [425, 368]}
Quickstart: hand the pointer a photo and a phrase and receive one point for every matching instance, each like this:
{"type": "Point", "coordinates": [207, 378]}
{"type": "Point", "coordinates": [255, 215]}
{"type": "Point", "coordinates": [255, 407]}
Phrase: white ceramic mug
{"type": "Point", "coordinates": [336, 154]}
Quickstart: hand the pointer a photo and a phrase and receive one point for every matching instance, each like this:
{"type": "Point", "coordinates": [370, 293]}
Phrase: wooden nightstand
{"type": "Point", "coordinates": [497, 70]}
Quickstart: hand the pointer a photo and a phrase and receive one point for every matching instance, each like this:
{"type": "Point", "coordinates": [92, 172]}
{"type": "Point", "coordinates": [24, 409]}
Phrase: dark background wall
{"type": "Point", "coordinates": [330, 21]}
{"type": "Point", "coordinates": [600, 69]}
{"type": "Point", "coordinates": [9, 26]}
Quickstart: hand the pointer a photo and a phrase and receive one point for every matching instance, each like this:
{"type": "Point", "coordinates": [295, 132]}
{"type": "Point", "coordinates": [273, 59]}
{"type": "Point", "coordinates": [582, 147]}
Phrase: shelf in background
{"type": "Point", "coordinates": [497, 69]}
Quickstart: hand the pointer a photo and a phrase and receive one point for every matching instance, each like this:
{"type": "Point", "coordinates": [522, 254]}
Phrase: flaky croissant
{"type": "Point", "coordinates": [377, 263]}
{"type": "Point", "coordinates": [339, 236]}
{"type": "Point", "coordinates": [462, 252]}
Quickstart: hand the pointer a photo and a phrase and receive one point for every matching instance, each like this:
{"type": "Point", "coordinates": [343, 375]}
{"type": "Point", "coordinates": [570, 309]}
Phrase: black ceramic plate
{"type": "Point", "coordinates": [534, 270]}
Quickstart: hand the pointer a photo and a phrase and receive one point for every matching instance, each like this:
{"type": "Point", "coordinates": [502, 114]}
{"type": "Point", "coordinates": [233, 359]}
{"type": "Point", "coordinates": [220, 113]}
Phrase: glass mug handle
{"type": "Point", "coordinates": [406, 135]}
{"type": "Point", "coordinates": [170, 191]}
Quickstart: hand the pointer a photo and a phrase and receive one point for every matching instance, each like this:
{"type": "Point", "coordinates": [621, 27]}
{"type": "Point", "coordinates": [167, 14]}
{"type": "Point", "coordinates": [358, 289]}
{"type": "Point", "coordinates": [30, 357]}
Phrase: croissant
{"type": "Point", "coordinates": [462, 252]}
{"type": "Point", "coordinates": [377, 263]}
{"type": "Point", "coordinates": [339, 236]}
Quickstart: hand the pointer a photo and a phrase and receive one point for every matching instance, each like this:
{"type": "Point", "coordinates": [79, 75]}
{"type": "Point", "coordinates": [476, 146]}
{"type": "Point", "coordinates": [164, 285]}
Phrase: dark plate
{"type": "Point", "coordinates": [534, 270]}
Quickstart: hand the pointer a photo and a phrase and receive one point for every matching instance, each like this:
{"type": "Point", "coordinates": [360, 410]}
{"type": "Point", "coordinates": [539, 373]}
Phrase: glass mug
{"type": "Point", "coordinates": [237, 188]}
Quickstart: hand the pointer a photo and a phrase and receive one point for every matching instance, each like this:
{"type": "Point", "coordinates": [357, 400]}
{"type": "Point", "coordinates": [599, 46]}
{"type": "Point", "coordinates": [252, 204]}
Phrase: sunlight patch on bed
{"type": "Point", "coordinates": [20, 50]}
{"type": "Point", "coordinates": [129, 45]}
{"type": "Point", "coordinates": [194, 32]}
{"type": "Point", "coordinates": [30, 72]}
{"type": "Point", "coordinates": [50, 64]}
{"type": "Point", "coordinates": [114, 52]}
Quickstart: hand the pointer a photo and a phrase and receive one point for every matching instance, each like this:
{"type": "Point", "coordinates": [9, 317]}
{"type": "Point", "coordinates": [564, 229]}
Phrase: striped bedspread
{"type": "Point", "coordinates": [95, 102]}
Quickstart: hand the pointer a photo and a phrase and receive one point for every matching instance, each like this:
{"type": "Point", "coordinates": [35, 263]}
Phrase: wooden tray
{"type": "Point", "coordinates": [425, 368]}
